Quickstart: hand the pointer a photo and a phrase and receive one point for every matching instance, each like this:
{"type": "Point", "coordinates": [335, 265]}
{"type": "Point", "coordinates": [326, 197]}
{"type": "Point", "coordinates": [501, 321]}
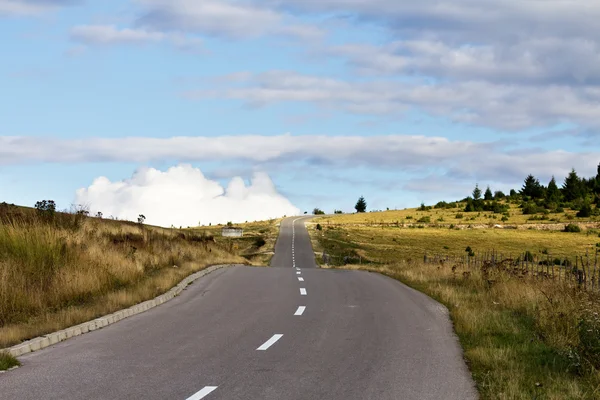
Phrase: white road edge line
{"type": "Point", "coordinates": [300, 310]}
{"type": "Point", "coordinates": [301, 279]}
{"type": "Point", "coordinates": [303, 291]}
{"type": "Point", "coordinates": [270, 342]}
{"type": "Point", "coordinates": [204, 392]}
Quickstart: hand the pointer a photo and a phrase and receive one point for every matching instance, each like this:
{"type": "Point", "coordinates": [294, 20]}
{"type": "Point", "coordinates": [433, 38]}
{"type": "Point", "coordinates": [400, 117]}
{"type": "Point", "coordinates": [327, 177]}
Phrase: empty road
{"type": "Point", "coordinates": [292, 331]}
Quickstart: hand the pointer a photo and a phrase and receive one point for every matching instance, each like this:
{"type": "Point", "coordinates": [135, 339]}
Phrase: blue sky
{"type": "Point", "coordinates": [331, 99]}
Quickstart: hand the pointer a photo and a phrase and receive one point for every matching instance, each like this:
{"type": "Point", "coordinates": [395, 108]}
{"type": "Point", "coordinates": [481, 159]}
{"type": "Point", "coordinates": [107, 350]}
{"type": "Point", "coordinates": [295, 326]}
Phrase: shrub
{"type": "Point", "coordinates": [424, 207]}
{"type": "Point", "coordinates": [572, 228]}
{"type": "Point", "coordinates": [409, 217]}
{"type": "Point", "coordinates": [585, 211]}
{"type": "Point", "coordinates": [504, 218]}
{"type": "Point", "coordinates": [319, 227]}
{"type": "Point", "coordinates": [528, 256]}
{"type": "Point", "coordinates": [441, 204]}
{"type": "Point", "coordinates": [259, 242]}
{"type": "Point", "coordinates": [425, 220]}
{"type": "Point", "coordinates": [318, 211]}
{"type": "Point", "coordinates": [459, 216]}
{"type": "Point", "coordinates": [338, 212]}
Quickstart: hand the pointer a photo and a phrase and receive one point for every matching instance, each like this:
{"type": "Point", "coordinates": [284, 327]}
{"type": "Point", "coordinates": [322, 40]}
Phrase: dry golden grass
{"type": "Point", "coordinates": [54, 276]}
{"type": "Point", "coordinates": [523, 338]}
{"type": "Point", "coordinates": [248, 245]}
{"type": "Point", "coordinates": [448, 216]}
{"type": "Point", "coordinates": [389, 244]}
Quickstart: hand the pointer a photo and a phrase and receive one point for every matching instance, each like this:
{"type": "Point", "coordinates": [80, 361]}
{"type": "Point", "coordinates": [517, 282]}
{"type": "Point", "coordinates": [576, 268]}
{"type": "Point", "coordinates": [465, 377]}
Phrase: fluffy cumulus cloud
{"type": "Point", "coordinates": [183, 196]}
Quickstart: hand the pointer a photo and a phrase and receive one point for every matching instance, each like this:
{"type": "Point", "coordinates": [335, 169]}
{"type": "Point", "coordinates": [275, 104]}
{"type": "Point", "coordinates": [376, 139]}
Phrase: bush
{"type": "Point", "coordinates": [470, 251]}
{"type": "Point", "coordinates": [504, 218]}
{"type": "Point", "coordinates": [459, 216]}
{"type": "Point", "coordinates": [425, 220]}
{"type": "Point", "coordinates": [585, 211]}
{"type": "Point", "coordinates": [528, 256]}
{"type": "Point", "coordinates": [572, 228]}
{"type": "Point", "coordinates": [424, 207]}
{"type": "Point", "coordinates": [318, 211]}
{"type": "Point", "coordinates": [338, 212]}
{"type": "Point", "coordinates": [409, 217]}
{"type": "Point", "coordinates": [259, 242]}
{"type": "Point", "coordinates": [319, 227]}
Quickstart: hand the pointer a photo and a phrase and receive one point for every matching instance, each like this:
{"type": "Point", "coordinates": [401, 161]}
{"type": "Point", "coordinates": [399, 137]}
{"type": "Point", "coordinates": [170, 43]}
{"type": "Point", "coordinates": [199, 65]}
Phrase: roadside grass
{"type": "Point", "coordinates": [522, 338]}
{"type": "Point", "coordinates": [7, 361]}
{"type": "Point", "coordinates": [456, 216]}
{"type": "Point", "coordinates": [61, 272]}
{"type": "Point", "coordinates": [257, 245]}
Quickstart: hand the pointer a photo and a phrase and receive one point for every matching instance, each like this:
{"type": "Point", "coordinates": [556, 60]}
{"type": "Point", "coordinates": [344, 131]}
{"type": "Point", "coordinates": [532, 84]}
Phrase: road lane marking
{"type": "Point", "coordinates": [270, 342]}
{"type": "Point", "coordinates": [300, 310]}
{"type": "Point", "coordinates": [301, 279]}
{"type": "Point", "coordinates": [204, 392]}
{"type": "Point", "coordinates": [303, 291]}
{"type": "Point", "coordinates": [298, 273]}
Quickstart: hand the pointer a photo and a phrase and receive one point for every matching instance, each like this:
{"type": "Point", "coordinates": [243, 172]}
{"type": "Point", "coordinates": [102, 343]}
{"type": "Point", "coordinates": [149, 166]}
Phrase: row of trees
{"type": "Point", "coordinates": [576, 192]}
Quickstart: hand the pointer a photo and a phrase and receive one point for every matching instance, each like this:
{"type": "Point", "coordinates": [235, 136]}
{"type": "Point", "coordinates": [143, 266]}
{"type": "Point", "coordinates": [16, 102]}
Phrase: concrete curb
{"type": "Point", "coordinates": [50, 339]}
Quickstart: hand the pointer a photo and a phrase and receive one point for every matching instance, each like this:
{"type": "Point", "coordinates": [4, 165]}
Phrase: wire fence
{"type": "Point", "coordinates": [580, 270]}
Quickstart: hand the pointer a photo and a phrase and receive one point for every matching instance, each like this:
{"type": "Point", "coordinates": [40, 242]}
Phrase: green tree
{"type": "Point", "coordinates": [597, 186]}
{"type": "Point", "coordinates": [572, 189]}
{"type": "Point", "coordinates": [46, 208]}
{"type": "Point", "coordinates": [532, 187]}
{"type": "Point", "coordinates": [476, 193]}
{"type": "Point", "coordinates": [553, 192]}
{"type": "Point", "coordinates": [361, 205]}
{"type": "Point", "coordinates": [499, 195]}
{"type": "Point", "coordinates": [488, 194]}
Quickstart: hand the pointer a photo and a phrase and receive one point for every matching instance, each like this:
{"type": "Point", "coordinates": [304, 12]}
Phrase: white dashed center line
{"type": "Point", "coordinates": [298, 273]}
{"type": "Point", "coordinates": [303, 291]}
{"type": "Point", "coordinates": [300, 310]}
{"type": "Point", "coordinates": [201, 394]}
{"type": "Point", "coordinates": [301, 279]}
{"type": "Point", "coordinates": [270, 342]}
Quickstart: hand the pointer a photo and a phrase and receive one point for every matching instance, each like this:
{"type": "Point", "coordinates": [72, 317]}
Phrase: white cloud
{"type": "Point", "coordinates": [416, 155]}
{"type": "Point", "coordinates": [479, 102]}
{"type": "Point", "coordinates": [183, 196]}
{"type": "Point", "coordinates": [30, 7]}
{"type": "Point", "coordinates": [111, 35]}
{"type": "Point", "coordinates": [230, 19]}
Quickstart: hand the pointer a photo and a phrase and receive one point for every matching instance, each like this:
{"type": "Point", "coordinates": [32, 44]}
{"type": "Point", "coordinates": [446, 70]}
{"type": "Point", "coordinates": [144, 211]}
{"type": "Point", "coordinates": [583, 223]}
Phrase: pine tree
{"type": "Point", "coordinates": [532, 187]}
{"type": "Point", "coordinates": [572, 187]}
{"type": "Point", "coordinates": [488, 194]}
{"type": "Point", "coordinates": [361, 205]}
{"type": "Point", "coordinates": [476, 193]}
{"type": "Point", "coordinates": [553, 192]}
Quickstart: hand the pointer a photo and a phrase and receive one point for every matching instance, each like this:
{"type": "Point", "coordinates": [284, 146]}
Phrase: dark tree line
{"type": "Point", "coordinates": [576, 192]}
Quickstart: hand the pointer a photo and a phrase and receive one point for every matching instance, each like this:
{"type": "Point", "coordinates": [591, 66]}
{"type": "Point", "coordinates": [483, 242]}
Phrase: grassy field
{"type": "Point", "coordinates": [61, 271]}
{"type": "Point", "coordinates": [389, 244]}
{"type": "Point", "coordinates": [523, 338]}
{"type": "Point", "coordinates": [457, 217]}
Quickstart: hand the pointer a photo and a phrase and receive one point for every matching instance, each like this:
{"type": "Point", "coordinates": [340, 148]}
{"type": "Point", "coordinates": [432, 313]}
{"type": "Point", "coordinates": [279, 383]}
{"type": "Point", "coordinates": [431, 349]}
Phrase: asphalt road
{"type": "Point", "coordinates": [250, 333]}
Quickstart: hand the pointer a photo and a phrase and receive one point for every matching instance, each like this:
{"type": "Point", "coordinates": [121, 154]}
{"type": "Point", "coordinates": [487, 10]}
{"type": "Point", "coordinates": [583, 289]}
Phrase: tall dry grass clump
{"type": "Point", "coordinates": [60, 271]}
